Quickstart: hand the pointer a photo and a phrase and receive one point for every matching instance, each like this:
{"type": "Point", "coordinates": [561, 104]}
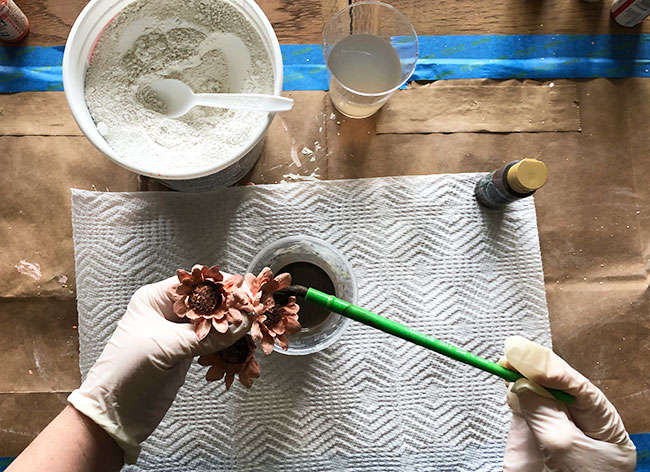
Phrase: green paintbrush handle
{"type": "Point", "coordinates": [391, 327]}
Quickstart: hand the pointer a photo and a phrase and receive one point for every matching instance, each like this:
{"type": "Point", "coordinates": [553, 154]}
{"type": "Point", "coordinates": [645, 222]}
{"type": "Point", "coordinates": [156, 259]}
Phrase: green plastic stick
{"type": "Point", "coordinates": [391, 327]}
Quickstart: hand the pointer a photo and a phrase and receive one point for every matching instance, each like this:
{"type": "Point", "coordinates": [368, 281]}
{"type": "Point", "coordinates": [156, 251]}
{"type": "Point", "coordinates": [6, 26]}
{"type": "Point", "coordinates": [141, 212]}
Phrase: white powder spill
{"type": "Point", "coordinates": [30, 269]}
{"type": "Point", "coordinates": [313, 177]}
{"type": "Point", "coordinates": [294, 151]}
{"type": "Point", "coordinates": [211, 47]}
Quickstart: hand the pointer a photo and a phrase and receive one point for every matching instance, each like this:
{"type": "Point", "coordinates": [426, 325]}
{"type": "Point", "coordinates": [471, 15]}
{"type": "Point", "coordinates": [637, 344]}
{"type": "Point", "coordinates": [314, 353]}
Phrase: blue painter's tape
{"type": "Point", "coordinates": [441, 57]}
{"type": "Point", "coordinates": [641, 441]}
{"type": "Point", "coordinates": [27, 69]}
{"type": "Point", "coordinates": [4, 462]}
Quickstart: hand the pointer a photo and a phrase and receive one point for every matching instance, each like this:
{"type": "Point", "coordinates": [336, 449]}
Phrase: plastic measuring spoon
{"type": "Point", "coordinates": [179, 98]}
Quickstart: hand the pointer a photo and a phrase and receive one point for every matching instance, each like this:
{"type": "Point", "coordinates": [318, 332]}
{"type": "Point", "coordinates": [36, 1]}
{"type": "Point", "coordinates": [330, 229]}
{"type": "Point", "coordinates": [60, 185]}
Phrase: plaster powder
{"type": "Point", "coordinates": [209, 45]}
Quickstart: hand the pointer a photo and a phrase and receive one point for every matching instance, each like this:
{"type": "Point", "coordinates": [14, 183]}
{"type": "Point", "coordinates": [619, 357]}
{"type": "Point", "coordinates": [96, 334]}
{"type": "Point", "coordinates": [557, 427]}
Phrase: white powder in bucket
{"type": "Point", "coordinates": [209, 45]}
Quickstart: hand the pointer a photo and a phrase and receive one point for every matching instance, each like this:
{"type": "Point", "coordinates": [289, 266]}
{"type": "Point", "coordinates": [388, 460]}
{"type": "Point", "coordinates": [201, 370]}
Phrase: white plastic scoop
{"type": "Point", "coordinates": [179, 99]}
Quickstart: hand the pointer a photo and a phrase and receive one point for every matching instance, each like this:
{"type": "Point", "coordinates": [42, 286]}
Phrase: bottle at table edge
{"type": "Point", "coordinates": [516, 180]}
{"type": "Point", "coordinates": [630, 12]}
{"type": "Point", "coordinates": [14, 25]}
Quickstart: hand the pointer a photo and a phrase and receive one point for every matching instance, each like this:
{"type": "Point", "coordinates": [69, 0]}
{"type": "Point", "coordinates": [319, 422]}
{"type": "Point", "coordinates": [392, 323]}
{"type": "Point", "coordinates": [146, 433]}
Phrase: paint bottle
{"type": "Point", "coordinates": [630, 12]}
{"type": "Point", "coordinates": [14, 25]}
{"type": "Point", "coordinates": [518, 179]}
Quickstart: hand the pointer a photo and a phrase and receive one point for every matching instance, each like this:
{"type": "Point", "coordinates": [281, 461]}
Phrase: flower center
{"type": "Point", "coordinates": [273, 317]}
{"type": "Point", "coordinates": [237, 353]}
{"type": "Point", "coordinates": [205, 298]}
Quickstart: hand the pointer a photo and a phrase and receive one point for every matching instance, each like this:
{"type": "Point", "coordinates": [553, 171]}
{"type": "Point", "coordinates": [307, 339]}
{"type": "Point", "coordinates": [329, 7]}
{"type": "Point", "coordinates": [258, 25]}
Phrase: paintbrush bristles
{"type": "Point", "coordinates": [281, 297]}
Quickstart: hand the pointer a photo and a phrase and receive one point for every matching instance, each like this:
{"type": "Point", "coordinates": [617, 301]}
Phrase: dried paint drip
{"type": "Point", "coordinates": [30, 269]}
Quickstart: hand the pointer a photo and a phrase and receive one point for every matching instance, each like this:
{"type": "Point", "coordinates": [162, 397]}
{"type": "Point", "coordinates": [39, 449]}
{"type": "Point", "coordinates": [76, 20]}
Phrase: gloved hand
{"type": "Point", "coordinates": [546, 435]}
{"type": "Point", "coordinates": [134, 382]}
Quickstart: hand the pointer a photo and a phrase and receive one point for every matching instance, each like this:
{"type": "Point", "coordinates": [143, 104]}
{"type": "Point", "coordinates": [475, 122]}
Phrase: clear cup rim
{"type": "Point", "coordinates": [399, 13]}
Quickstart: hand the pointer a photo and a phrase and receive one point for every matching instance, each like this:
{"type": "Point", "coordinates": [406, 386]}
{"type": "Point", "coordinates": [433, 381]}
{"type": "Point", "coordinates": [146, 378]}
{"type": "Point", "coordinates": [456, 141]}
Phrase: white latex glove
{"type": "Point", "coordinates": [547, 435]}
{"type": "Point", "coordinates": [134, 382]}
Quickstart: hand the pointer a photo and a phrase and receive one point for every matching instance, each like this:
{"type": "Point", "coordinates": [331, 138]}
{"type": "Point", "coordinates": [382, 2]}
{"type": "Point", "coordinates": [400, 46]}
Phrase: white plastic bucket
{"type": "Point", "coordinates": [81, 41]}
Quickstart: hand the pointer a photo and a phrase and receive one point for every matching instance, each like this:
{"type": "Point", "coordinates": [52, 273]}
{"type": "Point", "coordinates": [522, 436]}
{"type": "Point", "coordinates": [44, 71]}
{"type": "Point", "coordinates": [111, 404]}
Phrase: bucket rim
{"type": "Point", "coordinates": [88, 126]}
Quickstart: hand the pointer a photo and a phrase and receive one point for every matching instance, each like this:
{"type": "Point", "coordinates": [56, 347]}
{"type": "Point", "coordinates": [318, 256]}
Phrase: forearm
{"type": "Point", "coordinates": [71, 442]}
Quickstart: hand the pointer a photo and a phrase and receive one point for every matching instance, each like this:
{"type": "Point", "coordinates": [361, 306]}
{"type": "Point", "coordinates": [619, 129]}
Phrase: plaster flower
{"type": "Point", "coordinates": [209, 300]}
{"type": "Point", "coordinates": [237, 359]}
{"type": "Point", "coordinates": [274, 322]}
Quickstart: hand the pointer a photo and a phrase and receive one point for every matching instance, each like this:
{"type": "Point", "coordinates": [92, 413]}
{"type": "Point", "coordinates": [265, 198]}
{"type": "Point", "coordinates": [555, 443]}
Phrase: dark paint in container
{"type": "Point", "coordinates": [311, 276]}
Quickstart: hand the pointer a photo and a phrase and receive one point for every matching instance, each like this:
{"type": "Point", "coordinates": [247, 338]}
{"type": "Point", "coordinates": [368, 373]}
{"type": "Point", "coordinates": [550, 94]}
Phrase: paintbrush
{"type": "Point", "coordinates": [369, 318]}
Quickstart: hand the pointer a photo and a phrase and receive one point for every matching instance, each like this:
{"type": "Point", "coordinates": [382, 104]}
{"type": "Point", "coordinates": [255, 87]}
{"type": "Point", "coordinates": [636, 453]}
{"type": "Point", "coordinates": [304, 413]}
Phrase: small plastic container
{"type": "Point", "coordinates": [320, 253]}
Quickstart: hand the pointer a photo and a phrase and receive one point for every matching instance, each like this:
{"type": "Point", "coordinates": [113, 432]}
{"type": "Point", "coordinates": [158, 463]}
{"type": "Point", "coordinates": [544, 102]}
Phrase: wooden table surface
{"type": "Point", "coordinates": [604, 330]}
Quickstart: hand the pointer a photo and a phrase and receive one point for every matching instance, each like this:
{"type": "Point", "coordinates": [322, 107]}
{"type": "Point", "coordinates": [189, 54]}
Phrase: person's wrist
{"type": "Point", "coordinates": [94, 410]}
{"type": "Point", "coordinates": [103, 440]}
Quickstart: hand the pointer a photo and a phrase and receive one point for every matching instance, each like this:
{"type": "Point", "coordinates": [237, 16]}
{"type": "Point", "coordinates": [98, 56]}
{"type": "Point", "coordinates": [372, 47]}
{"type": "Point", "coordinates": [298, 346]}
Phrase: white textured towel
{"type": "Point", "coordinates": [424, 254]}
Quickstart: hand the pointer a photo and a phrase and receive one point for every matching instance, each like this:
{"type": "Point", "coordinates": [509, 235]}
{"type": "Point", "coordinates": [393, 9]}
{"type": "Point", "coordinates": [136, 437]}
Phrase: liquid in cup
{"type": "Point", "coordinates": [371, 50]}
{"type": "Point", "coordinates": [364, 63]}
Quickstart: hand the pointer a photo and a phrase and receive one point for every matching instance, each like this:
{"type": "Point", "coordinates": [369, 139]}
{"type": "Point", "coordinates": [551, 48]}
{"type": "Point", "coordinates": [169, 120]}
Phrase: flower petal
{"type": "Point", "coordinates": [283, 280]}
{"type": "Point", "coordinates": [245, 380]}
{"type": "Point", "coordinates": [220, 325]}
{"type": "Point", "coordinates": [251, 281]}
{"type": "Point", "coordinates": [208, 359]}
{"type": "Point", "coordinates": [183, 275]}
{"type": "Point", "coordinates": [233, 281]}
{"type": "Point", "coordinates": [265, 275]}
{"type": "Point", "coordinates": [293, 326]}
{"type": "Point", "coordinates": [240, 296]}
{"type": "Point", "coordinates": [280, 327]}
{"type": "Point", "coordinates": [180, 308]}
{"type": "Point", "coordinates": [267, 343]}
{"type": "Point", "coordinates": [183, 289]}
{"type": "Point", "coordinates": [192, 315]}
{"type": "Point", "coordinates": [202, 328]}
{"type": "Point", "coordinates": [212, 273]}
{"type": "Point", "coordinates": [290, 308]}
{"type": "Point", "coordinates": [197, 276]}
{"type": "Point", "coordinates": [235, 316]}
{"type": "Point", "coordinates": [283, 341]}
{"type": "Point", "coordinates": [253, 369]}
{"type": "Point", "coordinates": [269, 287]}
{"type": "Point", "coordinates": [215, 373]}
{"type": "Point", "coordinates": [268, 302]}
{"type": "Point", "coordinates": [256, 332]}
{"type": "Point", "coordinates": [229, 379]}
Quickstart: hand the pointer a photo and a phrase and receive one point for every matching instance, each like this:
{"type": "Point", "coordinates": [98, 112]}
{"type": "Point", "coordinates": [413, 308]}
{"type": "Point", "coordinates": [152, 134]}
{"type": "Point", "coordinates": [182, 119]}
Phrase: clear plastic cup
{"type": "Point", "coordinates": [320, 253]}
{"type": "Point", "coordinates": [371, 50]}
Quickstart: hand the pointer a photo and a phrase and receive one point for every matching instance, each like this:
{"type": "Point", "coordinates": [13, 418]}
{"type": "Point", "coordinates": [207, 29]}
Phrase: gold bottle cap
{"type": "Point", "coordinates": [527, 175]}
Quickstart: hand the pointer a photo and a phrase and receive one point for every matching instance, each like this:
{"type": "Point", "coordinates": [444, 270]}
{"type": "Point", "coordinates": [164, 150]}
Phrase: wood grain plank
{"type": "Point", "coordinates": [50, 20]}
{"type": "Point", "coordinates": [512, 17]}
{"type": "Point", "coordinates": [297, 22]}
{"type": "Point", "coordinates": [294, 22]}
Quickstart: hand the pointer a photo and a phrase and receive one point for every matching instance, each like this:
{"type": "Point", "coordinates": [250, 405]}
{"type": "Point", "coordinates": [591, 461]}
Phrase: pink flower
{"type": "Point", "coordinates": [273, 322]}
{"type": "Point", "coordinates": [237, 359]}
{"type": "Point", "coordinates": [209, 300]}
